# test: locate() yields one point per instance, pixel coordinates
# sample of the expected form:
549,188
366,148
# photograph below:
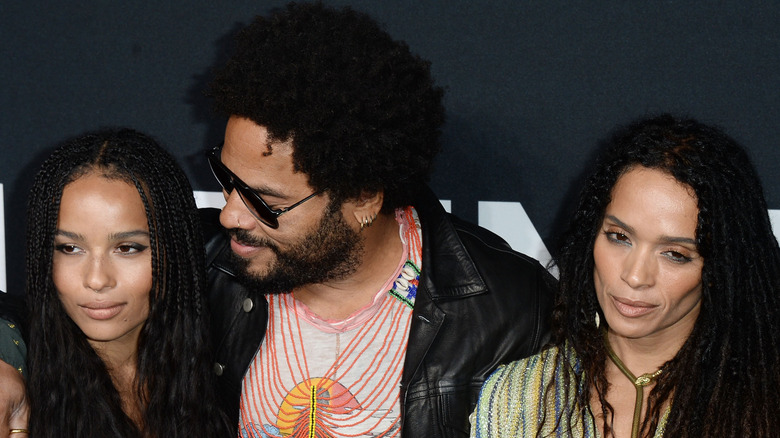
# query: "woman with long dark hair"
667,317
115,277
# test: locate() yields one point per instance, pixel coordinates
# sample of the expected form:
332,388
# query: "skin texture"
647,278
102,263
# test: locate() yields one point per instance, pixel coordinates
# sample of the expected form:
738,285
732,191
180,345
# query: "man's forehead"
250,157
245,131
257,159
248,140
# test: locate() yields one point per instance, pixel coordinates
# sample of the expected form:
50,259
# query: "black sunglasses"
254,203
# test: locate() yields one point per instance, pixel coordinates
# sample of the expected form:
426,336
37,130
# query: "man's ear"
366,207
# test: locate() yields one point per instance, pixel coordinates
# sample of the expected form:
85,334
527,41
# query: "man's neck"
338,299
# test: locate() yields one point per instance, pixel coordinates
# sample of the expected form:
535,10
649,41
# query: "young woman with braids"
115,274
669,272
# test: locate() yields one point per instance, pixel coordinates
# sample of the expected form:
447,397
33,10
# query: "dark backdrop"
531,86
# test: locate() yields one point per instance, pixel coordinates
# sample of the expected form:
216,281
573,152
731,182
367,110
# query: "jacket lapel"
447,273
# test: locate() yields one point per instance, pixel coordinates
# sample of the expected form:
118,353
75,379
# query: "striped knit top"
512,404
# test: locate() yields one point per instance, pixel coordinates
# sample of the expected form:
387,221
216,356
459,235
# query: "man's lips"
102,310
243,249
631,308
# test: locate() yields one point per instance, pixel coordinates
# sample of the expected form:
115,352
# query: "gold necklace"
639,383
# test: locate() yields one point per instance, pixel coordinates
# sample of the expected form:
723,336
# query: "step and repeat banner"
531,90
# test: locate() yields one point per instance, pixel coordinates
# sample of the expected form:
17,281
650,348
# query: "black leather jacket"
479,304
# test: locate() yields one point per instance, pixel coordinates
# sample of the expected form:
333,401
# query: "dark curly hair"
361,109
724,381
70,389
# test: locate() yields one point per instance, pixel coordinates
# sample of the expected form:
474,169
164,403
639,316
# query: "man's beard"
332,251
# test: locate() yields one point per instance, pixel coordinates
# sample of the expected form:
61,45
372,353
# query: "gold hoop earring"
367,221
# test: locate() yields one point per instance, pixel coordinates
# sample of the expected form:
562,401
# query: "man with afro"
345,301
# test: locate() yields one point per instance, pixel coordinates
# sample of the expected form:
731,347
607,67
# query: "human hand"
13,403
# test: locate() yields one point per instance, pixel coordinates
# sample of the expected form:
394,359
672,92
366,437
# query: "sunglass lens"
257,208
224,178
253,203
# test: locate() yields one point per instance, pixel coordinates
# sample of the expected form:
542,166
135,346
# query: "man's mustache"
243,237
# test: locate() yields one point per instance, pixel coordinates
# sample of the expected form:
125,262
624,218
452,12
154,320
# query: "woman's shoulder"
513,394
522,375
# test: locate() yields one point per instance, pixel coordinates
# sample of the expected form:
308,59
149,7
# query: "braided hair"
70,389
724,381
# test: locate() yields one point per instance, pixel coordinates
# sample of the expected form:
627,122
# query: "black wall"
531,86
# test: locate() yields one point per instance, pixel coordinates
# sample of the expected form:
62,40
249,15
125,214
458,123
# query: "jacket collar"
448,270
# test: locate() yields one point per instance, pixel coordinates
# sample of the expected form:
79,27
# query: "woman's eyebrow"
128,234
69,234
663,239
